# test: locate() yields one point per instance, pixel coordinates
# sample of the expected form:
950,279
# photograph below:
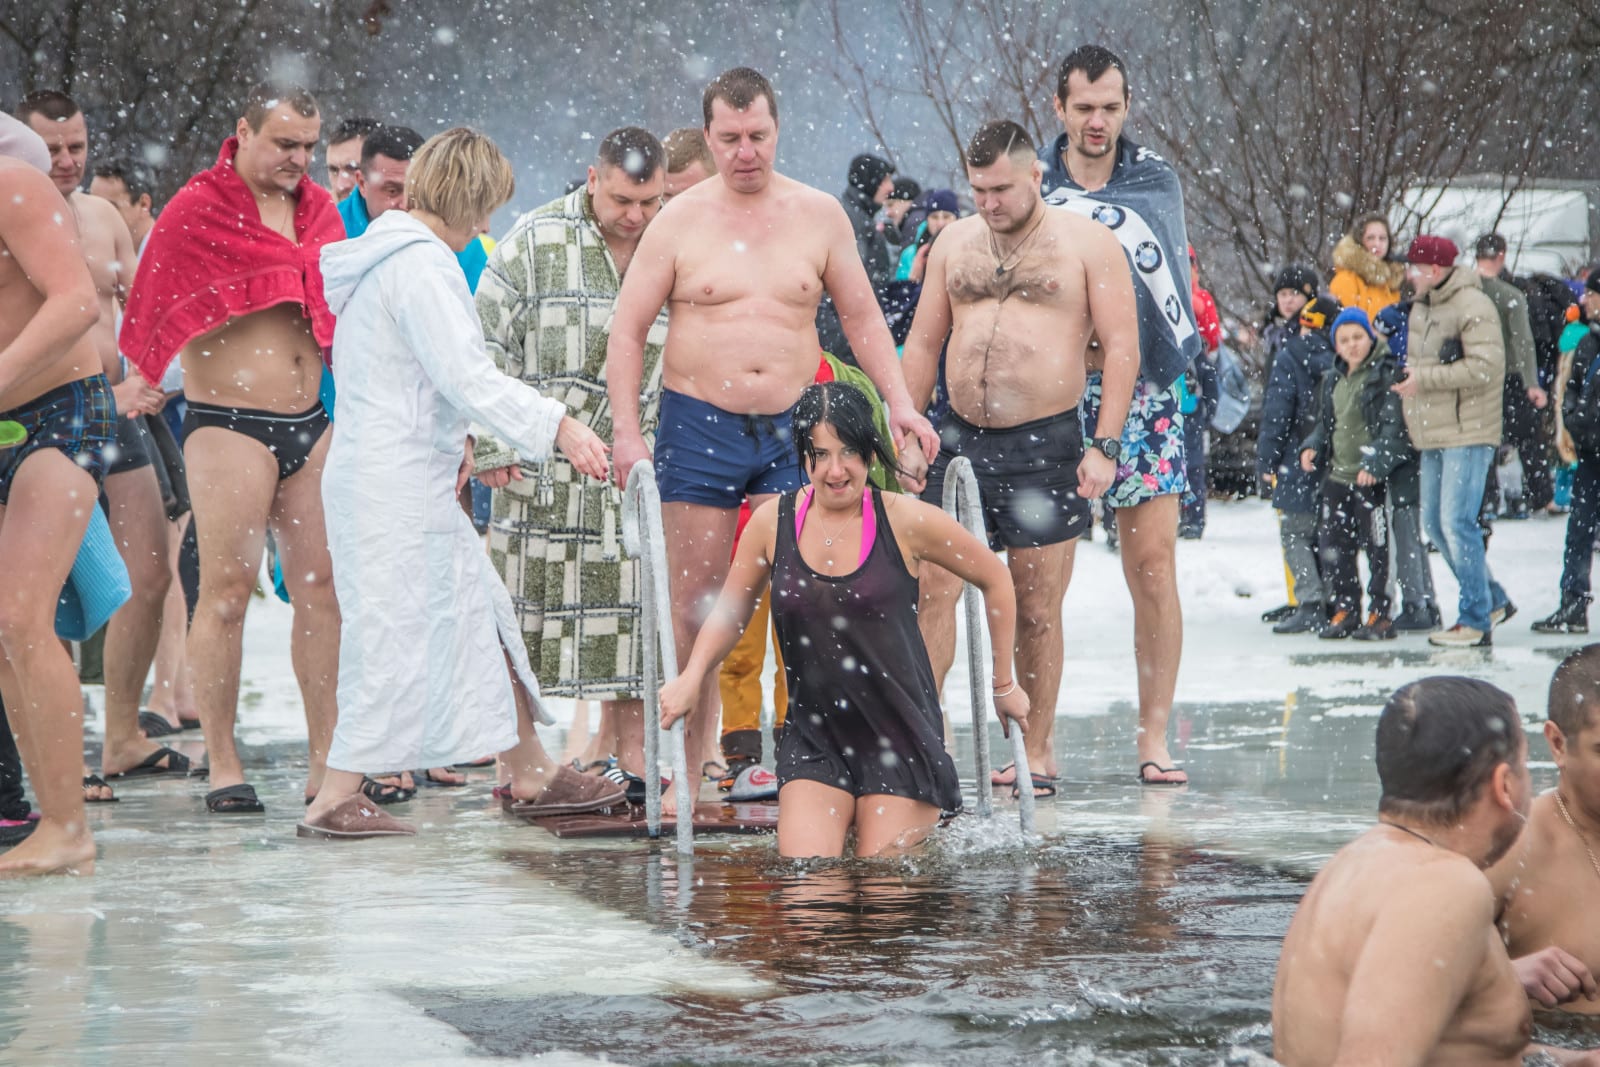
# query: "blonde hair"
460,176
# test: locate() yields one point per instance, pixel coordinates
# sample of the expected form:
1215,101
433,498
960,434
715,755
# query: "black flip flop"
177,763
96,782
234,800
379,793
1044,785
426,778
188,724
1152,783
155,725
473,765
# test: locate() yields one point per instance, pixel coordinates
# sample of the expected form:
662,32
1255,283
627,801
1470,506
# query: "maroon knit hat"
1433,251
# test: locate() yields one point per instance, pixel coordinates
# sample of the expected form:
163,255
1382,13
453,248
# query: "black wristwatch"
1111,446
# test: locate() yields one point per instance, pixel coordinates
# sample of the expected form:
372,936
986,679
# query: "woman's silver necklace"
827,538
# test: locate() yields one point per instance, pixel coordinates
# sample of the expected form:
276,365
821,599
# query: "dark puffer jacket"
1580,403
1390,458
1288,414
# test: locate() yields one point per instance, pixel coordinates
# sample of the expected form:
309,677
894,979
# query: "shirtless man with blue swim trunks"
741,261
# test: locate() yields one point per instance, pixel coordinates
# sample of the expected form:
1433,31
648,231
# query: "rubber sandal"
379,793
154,725
94,781
15,831
709,775
1002,776
1044,785
472,765
177,763
427,779
188,724
238,799
1155,784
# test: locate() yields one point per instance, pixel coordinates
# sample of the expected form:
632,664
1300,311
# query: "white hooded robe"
427,624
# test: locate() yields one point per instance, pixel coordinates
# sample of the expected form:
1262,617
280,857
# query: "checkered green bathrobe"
546,299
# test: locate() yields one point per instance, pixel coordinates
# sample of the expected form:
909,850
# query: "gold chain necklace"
1583,840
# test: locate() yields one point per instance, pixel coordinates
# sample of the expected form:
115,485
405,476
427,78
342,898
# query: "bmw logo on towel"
1109,215
1147,257
1173,309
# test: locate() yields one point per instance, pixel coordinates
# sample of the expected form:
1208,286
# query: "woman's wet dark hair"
1439,741
849,411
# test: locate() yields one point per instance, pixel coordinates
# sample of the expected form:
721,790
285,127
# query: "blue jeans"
1452,492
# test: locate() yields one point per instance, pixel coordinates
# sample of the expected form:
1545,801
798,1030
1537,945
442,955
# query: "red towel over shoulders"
210,259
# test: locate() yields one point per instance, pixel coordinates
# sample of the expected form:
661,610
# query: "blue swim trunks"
77,419
705,455
1152,462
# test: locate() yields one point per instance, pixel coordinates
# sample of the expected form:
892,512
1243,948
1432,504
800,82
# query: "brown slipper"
570,793
354,818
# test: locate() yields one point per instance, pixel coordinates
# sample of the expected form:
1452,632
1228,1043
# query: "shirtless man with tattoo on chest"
1019,291
136,514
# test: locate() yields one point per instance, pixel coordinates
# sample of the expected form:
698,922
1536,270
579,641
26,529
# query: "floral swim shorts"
1152,462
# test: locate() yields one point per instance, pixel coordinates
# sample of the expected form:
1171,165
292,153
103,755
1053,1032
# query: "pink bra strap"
869,520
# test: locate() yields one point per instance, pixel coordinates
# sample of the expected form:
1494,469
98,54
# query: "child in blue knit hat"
1360,447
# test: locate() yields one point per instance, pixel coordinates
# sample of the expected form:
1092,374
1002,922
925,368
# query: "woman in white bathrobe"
430,656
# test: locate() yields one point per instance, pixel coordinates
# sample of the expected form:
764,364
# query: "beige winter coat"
1457,403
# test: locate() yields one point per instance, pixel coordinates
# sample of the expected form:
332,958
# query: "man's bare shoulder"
798,192
1410,874
95,210
19,179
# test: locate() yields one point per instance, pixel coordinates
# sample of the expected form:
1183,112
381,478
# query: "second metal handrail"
961,500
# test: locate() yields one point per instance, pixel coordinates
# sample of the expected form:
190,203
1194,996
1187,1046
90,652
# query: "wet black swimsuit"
288,437
864,712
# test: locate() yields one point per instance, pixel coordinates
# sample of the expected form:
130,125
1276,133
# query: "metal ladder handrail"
644,539
961,500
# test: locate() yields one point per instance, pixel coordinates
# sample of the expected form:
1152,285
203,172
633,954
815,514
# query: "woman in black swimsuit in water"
863,743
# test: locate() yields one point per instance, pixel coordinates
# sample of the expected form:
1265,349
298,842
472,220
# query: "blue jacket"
473,258
1288,415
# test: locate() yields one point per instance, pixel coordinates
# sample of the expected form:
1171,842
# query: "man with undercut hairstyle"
132,489
742,260
344,155
1012,296
1549,884
546,300
230,283
1393,956
1095,170
689,160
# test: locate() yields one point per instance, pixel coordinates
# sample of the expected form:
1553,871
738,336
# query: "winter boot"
1278,614
1377,628
1342,625
1417,619
1303,619
1572,617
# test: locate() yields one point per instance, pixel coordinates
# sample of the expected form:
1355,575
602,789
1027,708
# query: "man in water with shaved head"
1393,956
742,261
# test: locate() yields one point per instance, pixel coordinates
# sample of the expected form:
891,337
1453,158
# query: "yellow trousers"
740,683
